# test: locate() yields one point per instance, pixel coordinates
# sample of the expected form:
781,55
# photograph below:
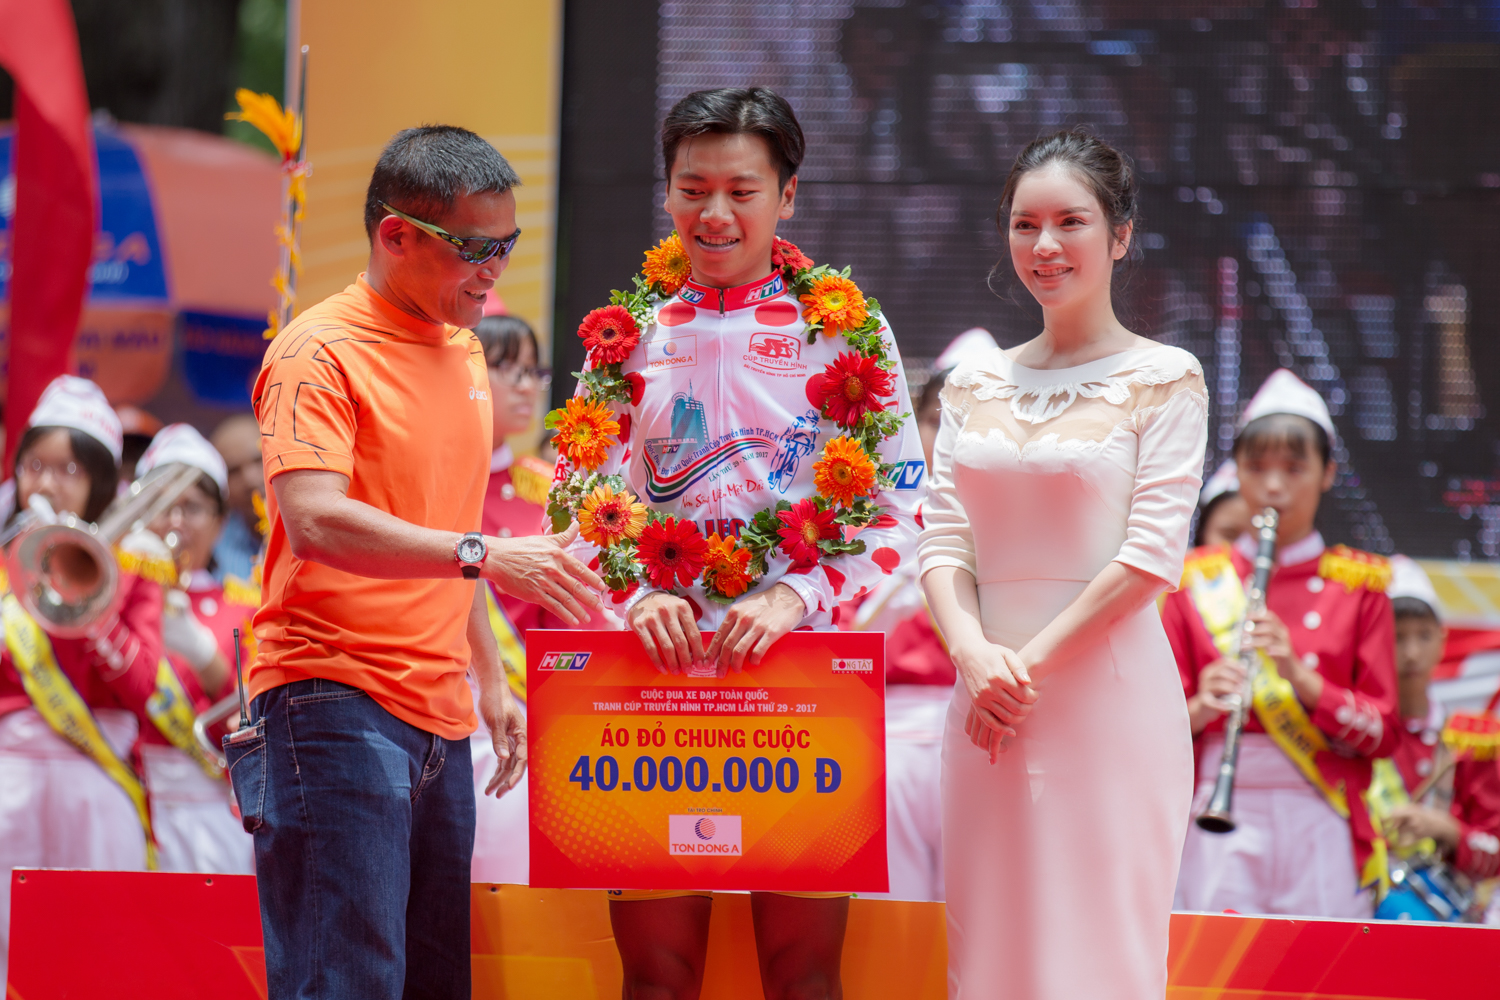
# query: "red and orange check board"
773,778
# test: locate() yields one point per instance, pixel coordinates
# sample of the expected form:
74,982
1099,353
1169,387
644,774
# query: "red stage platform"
128,935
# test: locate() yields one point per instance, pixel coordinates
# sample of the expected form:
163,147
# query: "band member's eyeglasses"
474,249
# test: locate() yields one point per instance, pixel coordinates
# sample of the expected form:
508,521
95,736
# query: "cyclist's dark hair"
424,170
735,111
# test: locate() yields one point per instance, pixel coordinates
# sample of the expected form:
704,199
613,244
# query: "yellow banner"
171,713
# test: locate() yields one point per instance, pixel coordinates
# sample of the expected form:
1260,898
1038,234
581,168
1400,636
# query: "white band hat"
1226,479
1408,579
78,404
182,443
1284,392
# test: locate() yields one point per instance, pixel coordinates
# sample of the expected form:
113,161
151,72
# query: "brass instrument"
1218,817
64,570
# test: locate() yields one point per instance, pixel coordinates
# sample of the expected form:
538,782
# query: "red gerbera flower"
805,526
672,551
850,387
784,254
609,335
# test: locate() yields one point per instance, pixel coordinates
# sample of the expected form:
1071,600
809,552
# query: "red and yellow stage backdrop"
378,66
134,936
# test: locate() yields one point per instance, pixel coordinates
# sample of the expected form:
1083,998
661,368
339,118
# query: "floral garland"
637,543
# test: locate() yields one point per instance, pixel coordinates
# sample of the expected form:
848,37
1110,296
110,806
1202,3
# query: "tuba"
63,571
1219,816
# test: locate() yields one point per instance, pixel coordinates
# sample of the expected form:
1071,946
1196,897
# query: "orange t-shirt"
402,408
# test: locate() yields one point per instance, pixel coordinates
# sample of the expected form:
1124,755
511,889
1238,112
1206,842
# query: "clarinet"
1219,816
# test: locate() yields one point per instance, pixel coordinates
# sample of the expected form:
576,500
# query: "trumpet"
1219,816
63,570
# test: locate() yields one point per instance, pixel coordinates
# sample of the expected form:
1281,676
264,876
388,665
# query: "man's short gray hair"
424,170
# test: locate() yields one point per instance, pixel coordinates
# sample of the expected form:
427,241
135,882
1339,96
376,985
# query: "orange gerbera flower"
585,432
726,567
844,472
667,265
837,302
607,517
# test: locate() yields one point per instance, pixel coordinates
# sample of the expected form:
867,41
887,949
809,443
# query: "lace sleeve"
946,539
1168,474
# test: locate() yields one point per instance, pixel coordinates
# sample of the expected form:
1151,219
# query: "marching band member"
1223,515
1325,696
514,505
74,801
1467,832
189,799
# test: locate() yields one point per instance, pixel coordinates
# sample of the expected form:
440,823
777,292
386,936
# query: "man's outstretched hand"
539,569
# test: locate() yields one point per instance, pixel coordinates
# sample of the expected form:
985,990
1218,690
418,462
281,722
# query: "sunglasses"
474,250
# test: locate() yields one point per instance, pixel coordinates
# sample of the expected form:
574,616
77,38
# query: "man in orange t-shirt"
375,417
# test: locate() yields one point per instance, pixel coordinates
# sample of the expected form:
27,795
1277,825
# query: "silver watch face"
470,550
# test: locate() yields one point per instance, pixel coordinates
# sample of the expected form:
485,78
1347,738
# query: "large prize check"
773,778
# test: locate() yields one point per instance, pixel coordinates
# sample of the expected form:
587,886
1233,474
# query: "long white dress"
1062,857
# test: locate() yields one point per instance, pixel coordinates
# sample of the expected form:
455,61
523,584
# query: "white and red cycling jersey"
724,428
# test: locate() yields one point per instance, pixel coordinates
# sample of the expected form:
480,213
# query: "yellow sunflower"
844,472
667,265
837,302
585,432
606,517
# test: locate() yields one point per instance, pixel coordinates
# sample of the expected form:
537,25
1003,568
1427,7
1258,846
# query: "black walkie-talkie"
239,682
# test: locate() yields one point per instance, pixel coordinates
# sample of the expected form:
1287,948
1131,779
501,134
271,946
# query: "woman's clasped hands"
1001,693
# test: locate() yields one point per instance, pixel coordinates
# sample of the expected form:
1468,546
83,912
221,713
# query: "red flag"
52,231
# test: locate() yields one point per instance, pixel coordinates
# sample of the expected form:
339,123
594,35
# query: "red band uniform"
60,809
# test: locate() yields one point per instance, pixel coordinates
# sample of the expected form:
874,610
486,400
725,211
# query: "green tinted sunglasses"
474,250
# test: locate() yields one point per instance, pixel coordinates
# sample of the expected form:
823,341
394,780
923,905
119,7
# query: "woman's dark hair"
1106,171
104,475
1296,434
501,336
734,111
930,390
424,170
1206,512
1412,607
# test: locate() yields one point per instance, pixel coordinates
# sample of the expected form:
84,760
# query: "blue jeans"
364,831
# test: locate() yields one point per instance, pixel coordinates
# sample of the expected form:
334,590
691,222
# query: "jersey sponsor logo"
678,352
777,352
853,666
907,475
478,393
692,295
704,836
564,661
769,290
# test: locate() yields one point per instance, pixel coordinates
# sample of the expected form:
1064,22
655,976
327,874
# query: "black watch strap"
471,572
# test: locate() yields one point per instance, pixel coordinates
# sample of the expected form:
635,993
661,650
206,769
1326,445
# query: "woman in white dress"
1064,477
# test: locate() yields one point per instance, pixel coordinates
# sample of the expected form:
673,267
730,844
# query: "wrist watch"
470,551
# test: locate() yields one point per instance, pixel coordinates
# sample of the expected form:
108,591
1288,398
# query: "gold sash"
512,646
172,714
59,704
